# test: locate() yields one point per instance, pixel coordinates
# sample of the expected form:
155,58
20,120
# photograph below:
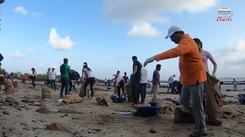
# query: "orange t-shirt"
191,67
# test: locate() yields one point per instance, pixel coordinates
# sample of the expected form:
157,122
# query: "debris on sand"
46,92
153,131
11,101
167,109
102,101
229,112
58,127
10,89
43,110
55,126
93,131
5,112
72,99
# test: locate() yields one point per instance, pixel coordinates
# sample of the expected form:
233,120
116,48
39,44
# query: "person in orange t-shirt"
193,76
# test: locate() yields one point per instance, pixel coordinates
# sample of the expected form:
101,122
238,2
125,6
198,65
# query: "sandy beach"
19,118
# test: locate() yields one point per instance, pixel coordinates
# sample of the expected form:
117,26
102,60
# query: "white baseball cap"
172,30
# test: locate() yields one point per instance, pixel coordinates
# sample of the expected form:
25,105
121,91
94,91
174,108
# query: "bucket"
147,111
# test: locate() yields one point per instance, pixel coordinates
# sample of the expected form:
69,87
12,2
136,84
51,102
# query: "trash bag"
15,83
102,101
116,99
72,99
9,87
74,75
82,91
214,98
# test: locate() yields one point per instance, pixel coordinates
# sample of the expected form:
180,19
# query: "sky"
107,33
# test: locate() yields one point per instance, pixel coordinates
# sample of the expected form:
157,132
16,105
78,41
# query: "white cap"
172,30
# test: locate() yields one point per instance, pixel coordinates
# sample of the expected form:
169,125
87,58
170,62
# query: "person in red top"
193,75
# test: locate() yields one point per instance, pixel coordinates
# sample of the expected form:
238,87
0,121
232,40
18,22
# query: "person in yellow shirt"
193,76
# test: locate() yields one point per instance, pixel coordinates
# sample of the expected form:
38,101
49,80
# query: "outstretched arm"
172,53
210,57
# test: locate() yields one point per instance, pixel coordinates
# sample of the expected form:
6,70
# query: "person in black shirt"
136,79
156,82
125,78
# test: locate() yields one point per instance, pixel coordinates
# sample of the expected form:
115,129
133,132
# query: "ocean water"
231,79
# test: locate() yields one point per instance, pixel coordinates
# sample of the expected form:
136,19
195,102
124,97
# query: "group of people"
194,76
87,79
51,78
139,81
67,78
119,83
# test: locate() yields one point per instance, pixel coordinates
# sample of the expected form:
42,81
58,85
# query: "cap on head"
172,30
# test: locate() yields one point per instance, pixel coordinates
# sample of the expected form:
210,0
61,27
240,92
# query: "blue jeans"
64,86
195,94
143,92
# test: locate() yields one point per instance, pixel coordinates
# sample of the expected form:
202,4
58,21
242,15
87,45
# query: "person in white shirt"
52,77
119,84
89,79
171,85
143,85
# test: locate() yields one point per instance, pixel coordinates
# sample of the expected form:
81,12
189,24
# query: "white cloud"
143,29
21,10
151,11
231,59
59,42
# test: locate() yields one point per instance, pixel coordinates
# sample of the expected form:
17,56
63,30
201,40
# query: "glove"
149,60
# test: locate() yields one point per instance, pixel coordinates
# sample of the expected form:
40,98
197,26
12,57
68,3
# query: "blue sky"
106,33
